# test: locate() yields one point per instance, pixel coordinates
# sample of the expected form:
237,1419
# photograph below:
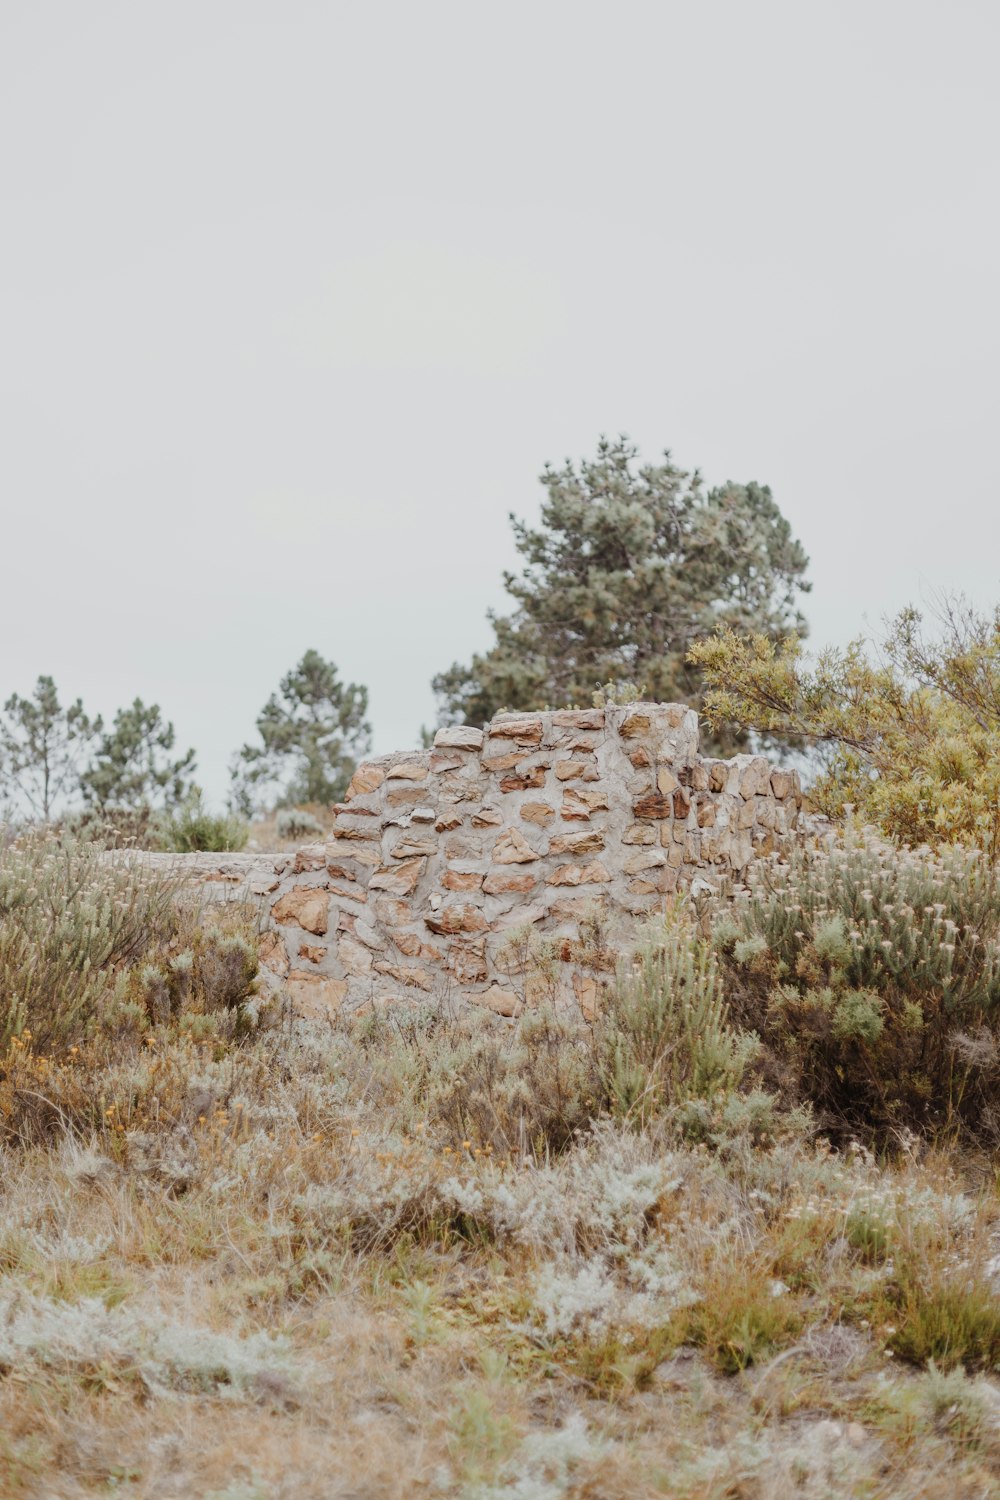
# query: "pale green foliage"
312,731
666,1037
192,827
631,563
874,975
69,917
618,691
911,730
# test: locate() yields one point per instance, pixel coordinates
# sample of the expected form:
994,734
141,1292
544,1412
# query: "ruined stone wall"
438,857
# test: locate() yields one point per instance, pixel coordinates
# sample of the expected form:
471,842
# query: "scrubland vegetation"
738,1237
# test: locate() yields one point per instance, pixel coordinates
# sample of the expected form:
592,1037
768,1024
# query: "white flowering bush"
161,1355
872,976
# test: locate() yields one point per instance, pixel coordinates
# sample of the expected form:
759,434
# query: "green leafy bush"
872,975
666,1036
193,828
70,918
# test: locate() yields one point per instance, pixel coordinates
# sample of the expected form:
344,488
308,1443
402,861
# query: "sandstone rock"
588,842
439,764
655,805
313,953
537,812
339,871
503,1002
487,817
635,723
573,770
366,779
682,803
272,953
406,794
520,916
467,961
578,718
568,909
309,857
303,906
500,882
414,846
579,803
706,814
314,997
646,859
527,781
494,764
700,778
367,934
783,783
639,833
461,880
447,821
354,956
463,846
666,781
413,977
393,913
461,917
642,887
407,770
585,990
511,848
413,946
459,737
352,834
640,757
756,778
525,728
398,880
591,874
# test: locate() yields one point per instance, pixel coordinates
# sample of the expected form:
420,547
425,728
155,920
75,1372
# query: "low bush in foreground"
429,1253
872,976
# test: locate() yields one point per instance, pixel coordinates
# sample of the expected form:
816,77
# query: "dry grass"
295,1293
421,1255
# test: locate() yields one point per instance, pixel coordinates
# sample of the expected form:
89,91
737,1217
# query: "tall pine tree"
631,565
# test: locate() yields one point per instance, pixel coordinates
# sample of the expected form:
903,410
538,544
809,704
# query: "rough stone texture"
440,860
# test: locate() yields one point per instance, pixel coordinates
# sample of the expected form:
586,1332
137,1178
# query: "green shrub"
193,828
945,1314
70,918
666,1035
872,976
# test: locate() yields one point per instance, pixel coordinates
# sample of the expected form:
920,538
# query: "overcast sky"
296,299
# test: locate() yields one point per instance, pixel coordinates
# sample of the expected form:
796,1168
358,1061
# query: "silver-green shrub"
872,974
70,918
667,1037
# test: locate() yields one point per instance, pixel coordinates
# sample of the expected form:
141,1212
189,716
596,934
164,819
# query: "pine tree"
631,565
313,729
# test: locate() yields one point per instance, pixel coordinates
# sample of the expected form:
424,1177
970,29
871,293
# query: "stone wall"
441,861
